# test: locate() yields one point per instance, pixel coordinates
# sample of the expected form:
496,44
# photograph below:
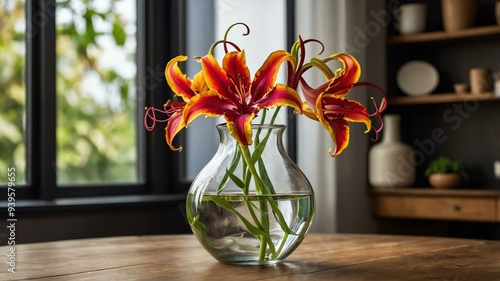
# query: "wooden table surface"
319,257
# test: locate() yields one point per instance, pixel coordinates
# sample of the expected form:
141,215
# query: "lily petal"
240,127
333,113
311,94
174,126
207,103
199,85
234,63
339,85
308,111
350,72
216,78
178,82
282,95
339,132
265,77
350,110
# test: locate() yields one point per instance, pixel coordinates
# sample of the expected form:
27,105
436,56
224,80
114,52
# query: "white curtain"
340,183
315,19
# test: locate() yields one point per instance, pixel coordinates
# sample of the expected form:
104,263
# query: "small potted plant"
445,173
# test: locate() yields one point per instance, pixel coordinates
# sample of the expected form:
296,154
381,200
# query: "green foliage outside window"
96,132
12,89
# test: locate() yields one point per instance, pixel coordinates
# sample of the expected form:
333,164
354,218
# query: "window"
96,92
79,75
12,89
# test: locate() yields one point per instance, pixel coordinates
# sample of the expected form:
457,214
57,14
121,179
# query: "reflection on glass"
96,70
12,89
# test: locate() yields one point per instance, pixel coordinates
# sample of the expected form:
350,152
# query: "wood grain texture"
319,257
436,36
435,98
420,203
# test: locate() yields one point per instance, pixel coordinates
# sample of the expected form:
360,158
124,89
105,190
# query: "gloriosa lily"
328,105
184,88
232,93
229,91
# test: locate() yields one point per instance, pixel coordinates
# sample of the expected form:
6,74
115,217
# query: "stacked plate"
417,78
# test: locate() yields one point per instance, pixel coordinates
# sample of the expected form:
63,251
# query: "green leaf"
265,178
260,149
232,167
270,190
235,179
124,91
119,34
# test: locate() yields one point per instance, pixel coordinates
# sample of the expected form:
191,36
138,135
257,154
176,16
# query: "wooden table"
319,257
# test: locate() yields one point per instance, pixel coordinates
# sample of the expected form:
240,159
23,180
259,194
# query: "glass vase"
252,204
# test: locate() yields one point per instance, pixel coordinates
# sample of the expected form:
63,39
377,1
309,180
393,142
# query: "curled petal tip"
332,154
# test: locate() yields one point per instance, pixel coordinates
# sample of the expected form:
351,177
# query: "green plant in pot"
445,173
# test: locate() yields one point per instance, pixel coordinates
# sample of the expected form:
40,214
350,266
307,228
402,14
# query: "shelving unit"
474,34
455,55
470,131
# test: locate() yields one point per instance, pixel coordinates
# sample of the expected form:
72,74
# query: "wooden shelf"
436,191
437,204
442,98
427,37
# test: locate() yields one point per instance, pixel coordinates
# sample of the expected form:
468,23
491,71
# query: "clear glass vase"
251,205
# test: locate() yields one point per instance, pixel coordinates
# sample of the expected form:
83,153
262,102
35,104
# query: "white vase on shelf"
390,162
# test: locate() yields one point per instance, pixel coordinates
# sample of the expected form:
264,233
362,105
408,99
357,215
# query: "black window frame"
160,32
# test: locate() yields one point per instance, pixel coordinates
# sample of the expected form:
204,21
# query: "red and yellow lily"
182,87
233,94
227,90
328,104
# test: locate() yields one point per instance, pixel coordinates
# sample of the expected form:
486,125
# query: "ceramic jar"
391,161
479,80
411,18
458,14
497,11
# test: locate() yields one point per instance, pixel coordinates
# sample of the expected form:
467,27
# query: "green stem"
259,185
260,189
275,115
285,238
262,249
252,214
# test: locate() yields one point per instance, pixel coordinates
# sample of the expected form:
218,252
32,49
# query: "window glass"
96,101
12,89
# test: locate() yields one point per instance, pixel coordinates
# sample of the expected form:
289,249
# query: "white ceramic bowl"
417,78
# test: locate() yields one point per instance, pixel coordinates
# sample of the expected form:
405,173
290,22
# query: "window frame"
158,167
160,36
